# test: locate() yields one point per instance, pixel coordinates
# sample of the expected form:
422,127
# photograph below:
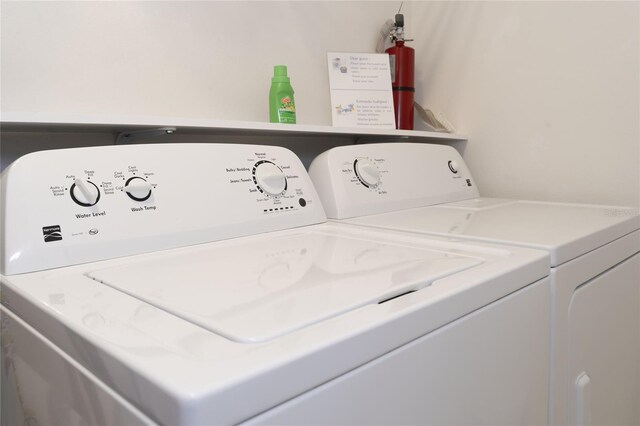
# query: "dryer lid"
566,231
253,290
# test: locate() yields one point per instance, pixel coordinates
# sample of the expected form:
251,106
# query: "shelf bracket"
137,135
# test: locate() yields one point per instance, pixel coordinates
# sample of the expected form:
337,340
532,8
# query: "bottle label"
286,110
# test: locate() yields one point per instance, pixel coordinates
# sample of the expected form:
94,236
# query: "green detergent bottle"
282,108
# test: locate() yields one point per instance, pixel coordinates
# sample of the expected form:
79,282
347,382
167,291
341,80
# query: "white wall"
548,92
188,59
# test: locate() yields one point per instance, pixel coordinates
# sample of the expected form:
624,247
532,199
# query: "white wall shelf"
23,133
30,122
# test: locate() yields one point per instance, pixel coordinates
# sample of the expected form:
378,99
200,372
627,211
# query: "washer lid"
258,289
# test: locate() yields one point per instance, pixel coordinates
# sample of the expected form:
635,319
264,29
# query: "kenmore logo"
52,233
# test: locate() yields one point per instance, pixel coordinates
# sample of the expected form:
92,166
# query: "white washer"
595,274
188,284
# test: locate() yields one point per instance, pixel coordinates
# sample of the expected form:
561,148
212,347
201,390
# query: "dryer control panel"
70,206
366,179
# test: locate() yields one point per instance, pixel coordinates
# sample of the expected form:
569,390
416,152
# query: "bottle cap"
280,74
280,70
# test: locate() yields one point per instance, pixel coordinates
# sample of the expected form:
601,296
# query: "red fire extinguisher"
402,61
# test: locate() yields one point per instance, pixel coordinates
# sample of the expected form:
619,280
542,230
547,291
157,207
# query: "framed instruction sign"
361,93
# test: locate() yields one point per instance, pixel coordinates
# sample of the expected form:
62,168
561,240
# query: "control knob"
84,192
269,178
367,172
138,189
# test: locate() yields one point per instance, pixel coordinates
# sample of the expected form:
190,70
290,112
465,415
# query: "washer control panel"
365,179
89,187
104,202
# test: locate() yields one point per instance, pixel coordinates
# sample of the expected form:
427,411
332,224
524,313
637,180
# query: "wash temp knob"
138,189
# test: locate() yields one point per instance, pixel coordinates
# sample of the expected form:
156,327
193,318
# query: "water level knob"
84,193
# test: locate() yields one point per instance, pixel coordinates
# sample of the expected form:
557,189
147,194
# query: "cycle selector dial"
367,172
269,178
84,193
138,189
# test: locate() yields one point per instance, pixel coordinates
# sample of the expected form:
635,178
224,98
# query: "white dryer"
191,284
595,266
